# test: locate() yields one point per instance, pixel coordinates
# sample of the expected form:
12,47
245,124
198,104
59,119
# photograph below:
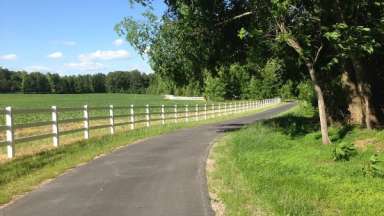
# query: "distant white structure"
173,97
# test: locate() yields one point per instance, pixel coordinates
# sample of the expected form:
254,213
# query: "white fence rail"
164,114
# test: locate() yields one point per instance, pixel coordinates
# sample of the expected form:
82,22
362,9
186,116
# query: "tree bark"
320,103
364,90
355,105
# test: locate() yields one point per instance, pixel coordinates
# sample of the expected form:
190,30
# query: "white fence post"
111,119
205,111
86,122
219,109
197,112
176,113
162,115
186,113
225,109
147,115
213,110
55,127
132,117
10,137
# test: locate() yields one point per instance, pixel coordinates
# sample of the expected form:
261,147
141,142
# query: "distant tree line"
36,82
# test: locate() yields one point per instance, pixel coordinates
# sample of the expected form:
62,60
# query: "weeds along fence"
25,125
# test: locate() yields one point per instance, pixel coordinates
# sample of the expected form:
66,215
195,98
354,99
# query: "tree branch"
235,18
318,53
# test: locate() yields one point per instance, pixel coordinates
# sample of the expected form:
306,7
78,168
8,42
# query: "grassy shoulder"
280,167
25,173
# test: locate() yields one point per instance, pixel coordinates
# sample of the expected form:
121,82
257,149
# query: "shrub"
344,151
214,88
375,166
306,93
286,91
267,82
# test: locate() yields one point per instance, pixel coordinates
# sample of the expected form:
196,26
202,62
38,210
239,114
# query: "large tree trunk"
355,103
364,90
320,103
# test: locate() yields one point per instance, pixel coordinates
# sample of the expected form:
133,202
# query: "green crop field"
77,100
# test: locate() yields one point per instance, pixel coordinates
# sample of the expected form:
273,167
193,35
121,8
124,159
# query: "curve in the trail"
163,175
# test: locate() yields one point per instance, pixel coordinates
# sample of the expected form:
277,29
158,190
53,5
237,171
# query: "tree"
357,35
98,83
34,82
308,36
214,88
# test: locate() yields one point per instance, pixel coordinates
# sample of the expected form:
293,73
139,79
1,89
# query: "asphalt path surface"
163,175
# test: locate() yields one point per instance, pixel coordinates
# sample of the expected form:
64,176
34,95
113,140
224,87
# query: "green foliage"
236,80
141,33
214,88
344,151
306,93
287,90
160,86
192,36
375,166
34,82
268,82
127,82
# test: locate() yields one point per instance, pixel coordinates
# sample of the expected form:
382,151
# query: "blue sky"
68,36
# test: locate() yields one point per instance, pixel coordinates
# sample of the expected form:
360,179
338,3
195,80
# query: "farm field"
30,101
98,109
77,100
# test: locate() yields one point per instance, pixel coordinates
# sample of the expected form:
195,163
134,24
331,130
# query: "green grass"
280,167
23,174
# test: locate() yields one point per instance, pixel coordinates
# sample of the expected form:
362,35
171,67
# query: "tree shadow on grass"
341,132
293,125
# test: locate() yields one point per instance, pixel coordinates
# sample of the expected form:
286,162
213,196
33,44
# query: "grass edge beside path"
280,167
24,174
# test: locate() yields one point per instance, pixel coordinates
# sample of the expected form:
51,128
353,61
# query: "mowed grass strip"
23,174
280,167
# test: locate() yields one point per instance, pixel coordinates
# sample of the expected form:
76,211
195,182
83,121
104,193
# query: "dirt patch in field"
370,142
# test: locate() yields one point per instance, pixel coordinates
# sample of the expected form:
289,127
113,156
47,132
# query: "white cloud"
37,68
85,66
55,55
8,57
104,55
118,42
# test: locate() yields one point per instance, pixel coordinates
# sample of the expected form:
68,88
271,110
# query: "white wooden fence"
167,114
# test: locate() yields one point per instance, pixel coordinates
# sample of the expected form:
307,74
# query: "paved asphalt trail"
163,175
